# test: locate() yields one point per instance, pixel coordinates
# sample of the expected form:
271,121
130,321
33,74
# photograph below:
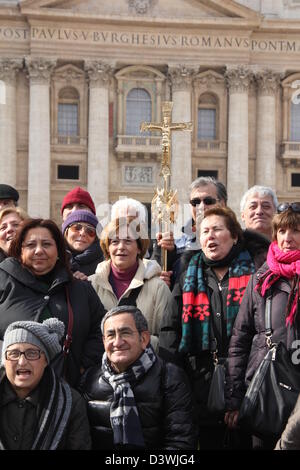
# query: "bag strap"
68,339
268,322
131,299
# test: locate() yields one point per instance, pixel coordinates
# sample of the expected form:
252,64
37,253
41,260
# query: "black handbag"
273,390
216,399
59,362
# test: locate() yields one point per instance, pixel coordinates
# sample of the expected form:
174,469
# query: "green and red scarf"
196,311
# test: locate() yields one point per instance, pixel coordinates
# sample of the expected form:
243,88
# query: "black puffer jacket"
24,297
87,261
164,405
247,346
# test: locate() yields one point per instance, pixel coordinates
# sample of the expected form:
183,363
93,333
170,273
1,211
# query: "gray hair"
129,207
261,191
205,181
139,319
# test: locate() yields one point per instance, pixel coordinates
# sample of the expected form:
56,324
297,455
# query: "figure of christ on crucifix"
166,127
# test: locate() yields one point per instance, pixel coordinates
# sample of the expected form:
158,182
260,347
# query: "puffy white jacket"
154,299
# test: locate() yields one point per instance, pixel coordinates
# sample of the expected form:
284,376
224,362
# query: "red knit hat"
78,195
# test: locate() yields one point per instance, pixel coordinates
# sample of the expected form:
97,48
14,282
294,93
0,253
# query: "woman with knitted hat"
38,410
80,233
278,277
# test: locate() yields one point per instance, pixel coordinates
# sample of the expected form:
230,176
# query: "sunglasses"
284,206
88,229
208,201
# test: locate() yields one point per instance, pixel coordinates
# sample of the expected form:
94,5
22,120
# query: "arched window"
295,122
138,109
68,115
207,117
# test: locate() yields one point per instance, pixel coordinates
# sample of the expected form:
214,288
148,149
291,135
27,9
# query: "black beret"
8,192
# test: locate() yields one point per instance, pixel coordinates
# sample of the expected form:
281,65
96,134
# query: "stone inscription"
157,40
138,175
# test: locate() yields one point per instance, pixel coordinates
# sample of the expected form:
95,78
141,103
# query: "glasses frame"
196,201
284,206
25,354
85,228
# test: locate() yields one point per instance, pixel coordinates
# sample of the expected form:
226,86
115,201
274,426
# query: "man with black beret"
9,196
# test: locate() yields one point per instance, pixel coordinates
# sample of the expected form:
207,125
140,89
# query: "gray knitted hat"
46,336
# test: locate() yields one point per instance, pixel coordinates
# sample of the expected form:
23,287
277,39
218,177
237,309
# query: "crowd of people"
102,349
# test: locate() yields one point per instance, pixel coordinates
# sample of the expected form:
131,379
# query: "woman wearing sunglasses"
79,230
278,276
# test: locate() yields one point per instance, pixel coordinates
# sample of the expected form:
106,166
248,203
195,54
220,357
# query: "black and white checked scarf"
124,415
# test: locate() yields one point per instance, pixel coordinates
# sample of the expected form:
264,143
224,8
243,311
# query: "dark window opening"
295,179
213,173
68,172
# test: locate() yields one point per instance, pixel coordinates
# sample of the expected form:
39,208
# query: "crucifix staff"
164,205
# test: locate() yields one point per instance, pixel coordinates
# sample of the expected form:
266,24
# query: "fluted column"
8,124
39,137
181,164
266,128
98,149
238,80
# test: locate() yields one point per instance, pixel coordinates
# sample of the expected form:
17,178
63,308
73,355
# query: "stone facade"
241,59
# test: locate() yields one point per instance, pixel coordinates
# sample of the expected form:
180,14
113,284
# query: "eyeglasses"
30,354
88,229
208,201
284,206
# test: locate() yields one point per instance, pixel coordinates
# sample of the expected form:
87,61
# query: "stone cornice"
9,67
267,81
238,79
39,69
181,77
99,73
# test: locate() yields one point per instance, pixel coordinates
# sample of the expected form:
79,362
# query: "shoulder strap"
131,299
268,321
68,340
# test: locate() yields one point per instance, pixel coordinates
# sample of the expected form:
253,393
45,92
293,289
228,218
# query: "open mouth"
23,373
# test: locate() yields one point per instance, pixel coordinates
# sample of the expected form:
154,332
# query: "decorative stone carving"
267,82
238,79
209,80
69,75
140,7
181,77
8,68
138,175
99,73
39,69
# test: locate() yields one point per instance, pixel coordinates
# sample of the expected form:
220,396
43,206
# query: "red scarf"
282,265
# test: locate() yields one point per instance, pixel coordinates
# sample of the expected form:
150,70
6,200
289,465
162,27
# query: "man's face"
122,342
258,214
208,198
24,375
74,206
4,203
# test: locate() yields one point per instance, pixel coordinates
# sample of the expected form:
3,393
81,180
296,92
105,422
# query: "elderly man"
136,400
77,199
9,196
38,411
258,205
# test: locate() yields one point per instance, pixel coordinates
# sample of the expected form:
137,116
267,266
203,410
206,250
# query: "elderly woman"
10,220
279,276
79,230
208,296
36,283
126,278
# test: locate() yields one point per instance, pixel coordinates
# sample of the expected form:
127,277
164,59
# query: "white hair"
261,191
129,207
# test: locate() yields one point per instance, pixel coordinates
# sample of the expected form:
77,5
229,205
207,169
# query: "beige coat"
154,300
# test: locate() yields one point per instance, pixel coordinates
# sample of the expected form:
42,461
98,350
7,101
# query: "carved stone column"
266,128
98,148
238,80
39,137
181,164
8,124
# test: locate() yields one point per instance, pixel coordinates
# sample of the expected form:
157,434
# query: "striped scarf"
196,311
53,412
124,415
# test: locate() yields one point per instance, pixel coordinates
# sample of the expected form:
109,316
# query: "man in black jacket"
136,401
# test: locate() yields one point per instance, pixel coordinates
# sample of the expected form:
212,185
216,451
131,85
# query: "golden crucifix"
164,205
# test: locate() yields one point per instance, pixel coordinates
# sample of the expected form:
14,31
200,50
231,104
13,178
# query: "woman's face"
39,251
123,253
8,228
215,238
80,236
288,239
